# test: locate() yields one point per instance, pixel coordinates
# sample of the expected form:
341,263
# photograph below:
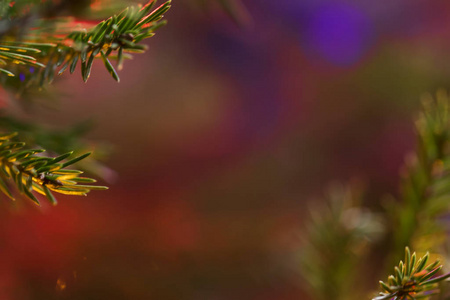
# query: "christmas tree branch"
58,141
53,51
336,240
426,180
425,191
32,172
413,279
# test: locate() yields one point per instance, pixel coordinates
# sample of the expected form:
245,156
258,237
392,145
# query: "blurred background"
222,136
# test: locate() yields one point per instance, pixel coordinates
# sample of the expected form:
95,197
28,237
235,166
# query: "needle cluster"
32,172
413,279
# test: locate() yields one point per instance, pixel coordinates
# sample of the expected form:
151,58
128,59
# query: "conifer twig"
335,240
426,182
412,279
31,172
53,52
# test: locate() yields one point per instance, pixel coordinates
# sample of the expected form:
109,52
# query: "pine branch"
58,141
426,181
335,241
35,173
64,48
412,280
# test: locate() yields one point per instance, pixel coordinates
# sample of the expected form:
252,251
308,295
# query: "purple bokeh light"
338,32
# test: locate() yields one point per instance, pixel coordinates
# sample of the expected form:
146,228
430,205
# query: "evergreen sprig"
121,33
335,242
53,51
57,140
426,180
412,280
31,172
18,55
425,195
